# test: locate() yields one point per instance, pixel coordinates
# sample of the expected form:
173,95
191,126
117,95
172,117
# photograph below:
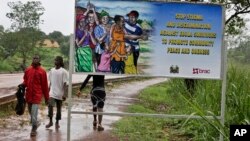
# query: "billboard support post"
223,91
70,85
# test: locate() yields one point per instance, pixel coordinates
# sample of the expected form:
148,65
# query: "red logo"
198,71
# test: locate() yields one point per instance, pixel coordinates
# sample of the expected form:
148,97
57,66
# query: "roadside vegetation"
172,97
18,44
12,64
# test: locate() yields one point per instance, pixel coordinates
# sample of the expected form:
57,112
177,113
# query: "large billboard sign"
170,39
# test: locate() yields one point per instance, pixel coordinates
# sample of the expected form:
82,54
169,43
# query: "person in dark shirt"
98,95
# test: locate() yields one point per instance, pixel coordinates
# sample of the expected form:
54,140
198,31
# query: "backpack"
21,103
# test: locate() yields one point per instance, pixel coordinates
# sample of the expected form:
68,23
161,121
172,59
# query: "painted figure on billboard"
129,62
100,47
117,45
102,34
148,38
133,28
83,51
85,40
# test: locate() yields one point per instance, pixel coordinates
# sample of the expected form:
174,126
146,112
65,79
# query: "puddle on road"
18,127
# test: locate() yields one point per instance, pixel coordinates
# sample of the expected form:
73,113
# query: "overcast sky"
58,15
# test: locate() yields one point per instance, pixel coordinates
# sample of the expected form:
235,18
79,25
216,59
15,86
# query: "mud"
18,128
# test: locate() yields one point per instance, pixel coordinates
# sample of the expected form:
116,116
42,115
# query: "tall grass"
172,97
207,98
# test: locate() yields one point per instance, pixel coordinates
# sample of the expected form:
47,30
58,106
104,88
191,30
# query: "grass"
7,109
173,98
152,100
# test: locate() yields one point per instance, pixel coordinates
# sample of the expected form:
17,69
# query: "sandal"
57,126
94,123
33,133
100,128
49,125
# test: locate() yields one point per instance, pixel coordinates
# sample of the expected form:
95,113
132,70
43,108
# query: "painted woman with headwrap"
102,34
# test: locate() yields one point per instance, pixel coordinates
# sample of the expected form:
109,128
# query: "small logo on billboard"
198,71
174,69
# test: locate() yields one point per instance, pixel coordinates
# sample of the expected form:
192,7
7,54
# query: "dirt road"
18,128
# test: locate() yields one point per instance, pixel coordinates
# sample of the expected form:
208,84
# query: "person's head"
133,16
36,60
59,62
91,17
104,17
119,20
82,24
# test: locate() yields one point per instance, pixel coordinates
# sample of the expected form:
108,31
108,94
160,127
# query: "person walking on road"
58,78
98,95
35,81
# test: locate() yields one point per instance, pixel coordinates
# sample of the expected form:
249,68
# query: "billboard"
170,39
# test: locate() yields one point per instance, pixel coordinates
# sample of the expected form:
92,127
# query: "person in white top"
58,78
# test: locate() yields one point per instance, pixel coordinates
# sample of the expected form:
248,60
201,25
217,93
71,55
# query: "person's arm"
79,42
95,16
83,85
98,35
133,37
50,77
139,35
26,76
87,11
45,89
92,38
65,87
111,32
65,84
85,82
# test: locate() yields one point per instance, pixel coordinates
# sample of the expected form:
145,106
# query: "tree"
235,8
1,29
56,35
62,40
65,46
25,15
8,44
25,24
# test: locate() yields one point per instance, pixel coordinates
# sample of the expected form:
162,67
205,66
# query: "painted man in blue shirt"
133,28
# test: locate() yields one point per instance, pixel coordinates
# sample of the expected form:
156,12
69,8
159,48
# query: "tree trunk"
23,65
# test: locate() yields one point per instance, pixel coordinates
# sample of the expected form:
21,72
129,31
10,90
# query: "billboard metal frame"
221,117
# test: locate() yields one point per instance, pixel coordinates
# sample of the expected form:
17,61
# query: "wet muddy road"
17,128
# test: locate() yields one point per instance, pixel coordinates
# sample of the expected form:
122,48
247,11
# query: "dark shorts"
98,98
117,66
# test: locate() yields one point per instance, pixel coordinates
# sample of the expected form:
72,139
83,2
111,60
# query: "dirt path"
17,127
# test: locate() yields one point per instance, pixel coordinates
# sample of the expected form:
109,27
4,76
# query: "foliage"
8,44
5,66
25,21
62,40
235,8
241,54
172,98
47,56
65,45
25,15
1,29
